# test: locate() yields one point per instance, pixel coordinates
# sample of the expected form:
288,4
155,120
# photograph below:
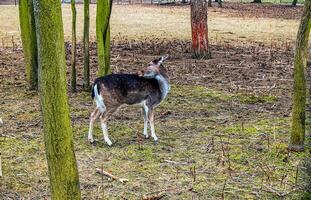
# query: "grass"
143,22
237,140
256,165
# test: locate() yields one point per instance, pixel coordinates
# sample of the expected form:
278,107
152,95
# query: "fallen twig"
154,195
122,180
279,194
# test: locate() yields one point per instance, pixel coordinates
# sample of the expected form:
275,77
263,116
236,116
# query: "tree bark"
103,13
86,36
58,137
74,48
199,29
299,96
209,3
220,3
29,42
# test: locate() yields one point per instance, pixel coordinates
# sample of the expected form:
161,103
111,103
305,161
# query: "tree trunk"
209,3
74,48
86,36
103,13
220,3
199,29
58,137
294,3
29,41
299,96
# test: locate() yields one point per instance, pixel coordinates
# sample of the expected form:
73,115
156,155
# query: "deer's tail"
98,98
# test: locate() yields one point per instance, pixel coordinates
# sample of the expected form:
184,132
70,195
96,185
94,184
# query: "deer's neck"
164,85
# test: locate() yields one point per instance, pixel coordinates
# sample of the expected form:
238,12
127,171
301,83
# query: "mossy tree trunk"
199,29
58,137
74,47
103,12
299,96
29,41
86,36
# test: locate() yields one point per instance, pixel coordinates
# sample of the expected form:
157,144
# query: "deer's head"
154,68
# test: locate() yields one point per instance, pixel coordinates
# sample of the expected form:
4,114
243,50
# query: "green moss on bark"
28,36
103,12
62,166
86,36
299,96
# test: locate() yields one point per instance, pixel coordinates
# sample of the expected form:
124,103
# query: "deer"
148,88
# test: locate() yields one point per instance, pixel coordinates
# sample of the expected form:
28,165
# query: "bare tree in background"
86,44
74,47
199,29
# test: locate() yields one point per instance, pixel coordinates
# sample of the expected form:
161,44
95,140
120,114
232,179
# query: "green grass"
190,135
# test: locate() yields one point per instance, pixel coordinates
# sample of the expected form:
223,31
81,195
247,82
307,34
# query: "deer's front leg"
94,115
145,115
151,121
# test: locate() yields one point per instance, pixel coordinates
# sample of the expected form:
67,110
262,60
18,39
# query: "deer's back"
118,89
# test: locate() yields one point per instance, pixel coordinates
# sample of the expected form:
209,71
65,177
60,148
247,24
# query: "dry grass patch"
146,22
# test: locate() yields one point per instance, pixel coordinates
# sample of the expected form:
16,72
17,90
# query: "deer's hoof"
108,142
146,136
156,142
90,139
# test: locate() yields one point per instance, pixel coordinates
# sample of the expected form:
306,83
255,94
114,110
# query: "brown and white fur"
148,88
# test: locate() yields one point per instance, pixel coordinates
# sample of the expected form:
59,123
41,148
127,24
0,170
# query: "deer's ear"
162,59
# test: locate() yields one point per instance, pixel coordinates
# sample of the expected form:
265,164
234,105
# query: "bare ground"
227,117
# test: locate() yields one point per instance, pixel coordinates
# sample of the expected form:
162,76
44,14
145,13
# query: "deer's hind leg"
94,115
103,119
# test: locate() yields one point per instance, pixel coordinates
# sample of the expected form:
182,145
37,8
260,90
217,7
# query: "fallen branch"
122,180
278,193
154,196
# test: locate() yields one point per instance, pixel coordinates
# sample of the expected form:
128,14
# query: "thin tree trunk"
220,3
28,36
74,48
299,96
103,13
86,32
209,3
199,29
58,137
